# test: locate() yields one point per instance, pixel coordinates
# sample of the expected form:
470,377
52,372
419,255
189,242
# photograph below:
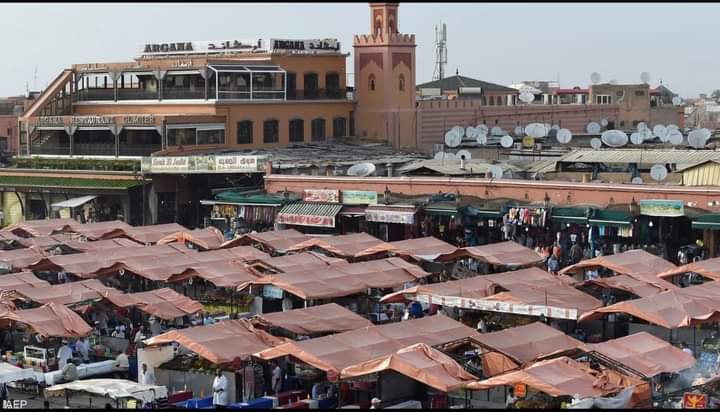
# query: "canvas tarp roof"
112,388
672,309
163,303
12,281
152,234
555,377
20,258
272,241
221,274
646,354
45,242
510,254
100,230
345,246
220,343
207,239
345,280
66,293
637,263
424,248
314,320
116,243
299,261
42,227
629,284
709,268
50,320
352,353
477,287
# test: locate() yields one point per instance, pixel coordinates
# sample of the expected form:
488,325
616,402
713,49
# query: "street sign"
695,400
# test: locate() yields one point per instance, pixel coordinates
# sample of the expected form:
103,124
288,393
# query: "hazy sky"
500,43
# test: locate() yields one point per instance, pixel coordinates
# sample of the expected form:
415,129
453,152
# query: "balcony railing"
96,94
94,149
50,149
318,94
180,94
137,94
139,149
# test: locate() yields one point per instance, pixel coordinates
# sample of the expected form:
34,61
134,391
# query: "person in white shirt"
481,326
276,378
122,364
147,377
64,354
219,389
82,346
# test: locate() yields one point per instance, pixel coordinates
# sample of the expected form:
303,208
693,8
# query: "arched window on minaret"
371,82
378,25
401,83
391,25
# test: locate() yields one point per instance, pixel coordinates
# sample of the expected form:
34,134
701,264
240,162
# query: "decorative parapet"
380,38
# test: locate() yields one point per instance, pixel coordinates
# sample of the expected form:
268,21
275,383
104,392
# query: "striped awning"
309,214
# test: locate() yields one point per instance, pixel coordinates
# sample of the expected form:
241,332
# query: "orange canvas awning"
12,281
477,287
42,227
629,284
502,254
152,234
344,246
709,268
272,241
50,320
66,293
329,318
163,303
209,238
422,249
21,258
298,262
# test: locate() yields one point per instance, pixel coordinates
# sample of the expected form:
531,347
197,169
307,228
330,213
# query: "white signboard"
203,47
169,164
307,46
236,163
498,306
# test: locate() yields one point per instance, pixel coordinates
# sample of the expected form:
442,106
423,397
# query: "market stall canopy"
502,254
273,241
709,268
344,280
111,388
637,263
46,242
629,284
422,249
330,318
297,262
555,377
354,348
152,234
477,287
42,227
672,309
206,239
87,264
344,246
20,258
309,214
220,343
646,354
419,362
117,243
50,320
529,342
100,230
11,373
163,303
221,274
66,293
11,282
73,203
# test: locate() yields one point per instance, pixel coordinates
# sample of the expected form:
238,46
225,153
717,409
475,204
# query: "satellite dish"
564,136
614,138
706,133
637,138
646,134
519,131
453,138
595,143
506,141
555,127
471,132
463,154
496,172
672,127
675,137
481,139
593,128
660,131
697,139
642,126
439,156
482,129
527,97
636,180
363,169
536,130
604,122
645,77
658,173
595,77
459,130
497,131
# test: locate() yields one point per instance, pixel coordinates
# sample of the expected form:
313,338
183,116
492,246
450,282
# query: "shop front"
610,230
528,225
482,221
310,217
391,222
707,227
665,227
236,213
352,215
571,224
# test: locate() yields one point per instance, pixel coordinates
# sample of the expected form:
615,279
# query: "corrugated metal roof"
452,167
681,158
312,209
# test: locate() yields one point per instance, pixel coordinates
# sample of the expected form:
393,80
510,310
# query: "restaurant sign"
359,197
305,220
390,216
321,195
306,46
499,306
202,164
694,400
203,47
662,208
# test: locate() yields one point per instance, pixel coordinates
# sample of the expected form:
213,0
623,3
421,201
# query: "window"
401,83
622,123
311,84
271,131
619,93
291,85
603,99
371,83
211,136
640,93
297,130
339,127
318,130
245,132
184,136
208,133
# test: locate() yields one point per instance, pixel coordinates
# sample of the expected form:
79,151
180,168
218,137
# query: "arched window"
339,127
245,132
318,130
311,85
378,25
401,83
332,85
297,130
271,131
371,83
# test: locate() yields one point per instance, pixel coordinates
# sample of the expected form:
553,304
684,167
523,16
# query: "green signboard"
359,197
662,208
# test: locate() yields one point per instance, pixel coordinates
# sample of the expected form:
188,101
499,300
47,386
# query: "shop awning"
569,215
709,268
298,262
309,214
640,288
646,354
20,258
610,218
221,274
12,281
330,318
152,234
274,240
66,182
404,215
439,209
345,246
163,303
51,320
471,210
424,248
207,239
42,227
66,293
709,221
220,343
475,288
501,254
112,388
74,202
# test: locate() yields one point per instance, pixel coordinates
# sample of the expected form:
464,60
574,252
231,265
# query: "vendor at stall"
219,390
64,354
146,377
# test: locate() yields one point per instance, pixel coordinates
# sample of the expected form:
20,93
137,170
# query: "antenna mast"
35,79
440,51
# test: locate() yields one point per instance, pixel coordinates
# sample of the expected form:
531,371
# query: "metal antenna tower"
440,51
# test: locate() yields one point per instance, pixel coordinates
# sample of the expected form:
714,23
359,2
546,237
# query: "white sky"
499,43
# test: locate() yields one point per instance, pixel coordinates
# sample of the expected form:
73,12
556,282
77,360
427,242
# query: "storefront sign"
305,220
140,120
169,164
92,120
389,216
203,164
321,195
270,291
235,164
498,306
203,47
314,45
663,208
359,197
50,121
694,401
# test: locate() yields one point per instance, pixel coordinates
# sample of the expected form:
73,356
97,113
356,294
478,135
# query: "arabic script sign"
202,47
313,45
321,195
694,401
305,220
202,164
